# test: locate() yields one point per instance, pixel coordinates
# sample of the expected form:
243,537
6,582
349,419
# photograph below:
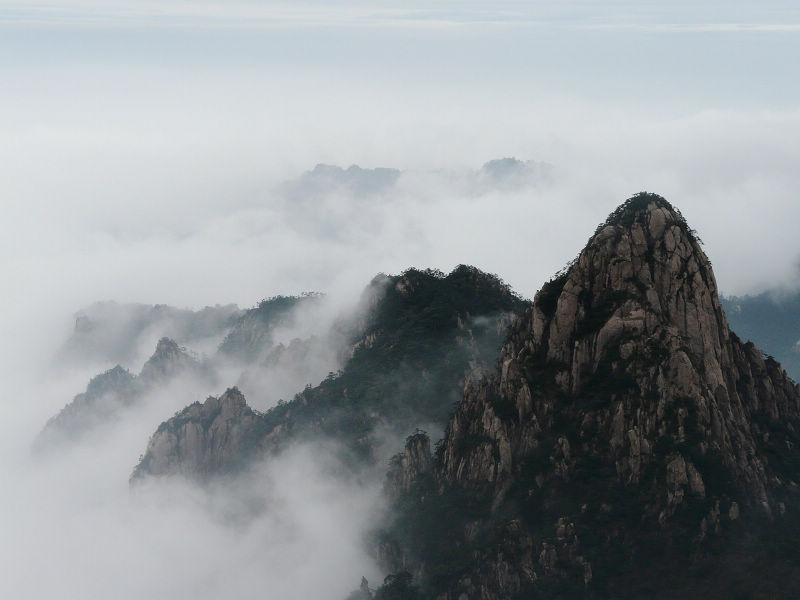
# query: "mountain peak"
622,402
644,207
201,438
642,276
166,345
168,360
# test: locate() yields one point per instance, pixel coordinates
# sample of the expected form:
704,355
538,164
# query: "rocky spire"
407,466
622,394
168,361
203,438
633,335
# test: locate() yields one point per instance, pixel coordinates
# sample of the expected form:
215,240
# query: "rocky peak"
635,328
168,360
105,395
622,392
643,272
203,438
109,393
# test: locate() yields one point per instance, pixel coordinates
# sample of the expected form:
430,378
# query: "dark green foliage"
117,382
504,407
607,380
547,298
468,443
398,586
423,332
252,332
635,206
781,444
598,311
429,302
428,524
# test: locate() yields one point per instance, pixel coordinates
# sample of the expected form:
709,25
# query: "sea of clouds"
169,161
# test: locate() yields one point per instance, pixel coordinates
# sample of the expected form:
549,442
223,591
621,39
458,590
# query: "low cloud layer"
152,162
291,528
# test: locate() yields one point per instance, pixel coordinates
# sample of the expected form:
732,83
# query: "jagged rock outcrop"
626,437
168,361
636,325
421,335
203,438
115,390
408,466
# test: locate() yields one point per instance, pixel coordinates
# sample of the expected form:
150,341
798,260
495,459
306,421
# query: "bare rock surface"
626,434
408,466
202,438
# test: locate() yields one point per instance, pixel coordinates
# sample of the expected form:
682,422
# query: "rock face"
201,439
168,361
411,464
627,437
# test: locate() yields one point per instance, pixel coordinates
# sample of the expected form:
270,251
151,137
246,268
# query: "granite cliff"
628,444
202,439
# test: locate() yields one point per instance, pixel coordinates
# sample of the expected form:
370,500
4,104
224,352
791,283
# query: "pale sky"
130,127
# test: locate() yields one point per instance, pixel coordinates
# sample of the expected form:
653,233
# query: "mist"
204,155
291,527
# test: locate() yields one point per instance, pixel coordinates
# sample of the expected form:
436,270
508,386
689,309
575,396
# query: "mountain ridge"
112,392
421,335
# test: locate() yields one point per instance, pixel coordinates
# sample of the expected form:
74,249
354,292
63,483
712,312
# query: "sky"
130,127
165,152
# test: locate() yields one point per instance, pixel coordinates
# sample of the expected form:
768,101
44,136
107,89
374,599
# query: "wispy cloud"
254,15
695,27
244,14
